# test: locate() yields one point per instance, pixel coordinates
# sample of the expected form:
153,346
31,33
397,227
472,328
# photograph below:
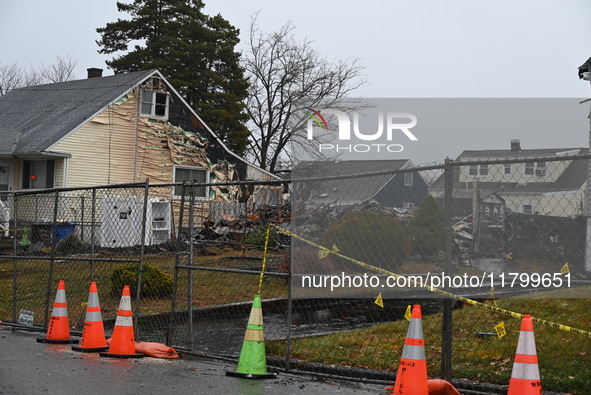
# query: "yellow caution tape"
267,233
472,302
491,293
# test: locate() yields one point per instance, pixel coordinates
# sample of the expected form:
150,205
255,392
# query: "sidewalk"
28,367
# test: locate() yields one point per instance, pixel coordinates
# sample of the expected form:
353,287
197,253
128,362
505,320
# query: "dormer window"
154,104
478,170
535,168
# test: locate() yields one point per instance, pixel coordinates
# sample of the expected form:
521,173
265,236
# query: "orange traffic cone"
122,341
411,378
93,334
59,327
525,377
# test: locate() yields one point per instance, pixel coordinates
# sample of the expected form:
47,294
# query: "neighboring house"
108,130
395,189
534,187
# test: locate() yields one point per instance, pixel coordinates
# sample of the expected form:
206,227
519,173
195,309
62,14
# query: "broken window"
268,195
154,104
191,174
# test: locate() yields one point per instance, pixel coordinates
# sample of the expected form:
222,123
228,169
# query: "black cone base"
90,349
53,341
252,375
108,354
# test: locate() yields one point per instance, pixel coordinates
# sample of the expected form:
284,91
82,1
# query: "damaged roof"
34,118
347,190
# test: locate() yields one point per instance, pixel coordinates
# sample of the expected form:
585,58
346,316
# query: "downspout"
137,94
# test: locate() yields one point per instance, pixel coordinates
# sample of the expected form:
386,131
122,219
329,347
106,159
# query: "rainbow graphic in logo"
316,116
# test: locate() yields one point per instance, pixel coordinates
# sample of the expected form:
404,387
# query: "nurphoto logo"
391,126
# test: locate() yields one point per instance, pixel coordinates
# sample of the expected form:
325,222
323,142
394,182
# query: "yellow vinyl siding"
106,142
59,176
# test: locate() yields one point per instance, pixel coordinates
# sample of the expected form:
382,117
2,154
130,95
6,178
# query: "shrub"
426,229
156,282
72,244
256,237
306,259
370,238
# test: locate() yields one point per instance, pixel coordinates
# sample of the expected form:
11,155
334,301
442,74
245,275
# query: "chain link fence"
343,247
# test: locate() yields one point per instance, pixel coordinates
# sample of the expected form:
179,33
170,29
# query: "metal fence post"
142,248
52,257
82,217
14,259
92,235
190,262
587,206
447,335
177,262
289,317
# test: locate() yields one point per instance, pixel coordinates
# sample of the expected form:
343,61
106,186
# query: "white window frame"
153,95
205,195
527,204
408,179
478,170
507,169
537,169
540,169
408,205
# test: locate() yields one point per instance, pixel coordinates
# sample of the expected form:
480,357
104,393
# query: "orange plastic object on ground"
436,387
441,387
155,350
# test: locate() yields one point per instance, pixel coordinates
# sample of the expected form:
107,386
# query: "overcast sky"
421,48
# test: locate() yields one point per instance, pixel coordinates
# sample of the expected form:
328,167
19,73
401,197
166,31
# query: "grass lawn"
564,357
209,287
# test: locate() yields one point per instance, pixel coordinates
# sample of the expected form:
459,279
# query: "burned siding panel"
253,173
117,146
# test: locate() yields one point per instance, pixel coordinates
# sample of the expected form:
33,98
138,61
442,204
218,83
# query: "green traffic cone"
252,363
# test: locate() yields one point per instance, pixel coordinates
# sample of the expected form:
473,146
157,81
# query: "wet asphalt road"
29,368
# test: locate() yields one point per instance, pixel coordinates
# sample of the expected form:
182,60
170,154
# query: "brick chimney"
515,145
93,72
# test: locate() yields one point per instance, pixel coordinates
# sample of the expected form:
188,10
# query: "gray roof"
32,119
346,191
509,154
572,178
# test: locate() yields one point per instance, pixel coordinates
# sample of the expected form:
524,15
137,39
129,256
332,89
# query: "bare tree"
11,76
286,77
15,76
60,71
